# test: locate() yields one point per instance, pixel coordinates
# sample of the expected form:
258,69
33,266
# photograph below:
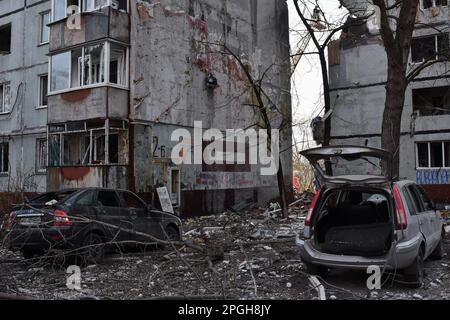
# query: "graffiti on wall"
433,176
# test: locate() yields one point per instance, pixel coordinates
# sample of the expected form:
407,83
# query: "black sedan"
84,220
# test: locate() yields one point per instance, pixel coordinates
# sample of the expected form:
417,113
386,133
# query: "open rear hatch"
350,164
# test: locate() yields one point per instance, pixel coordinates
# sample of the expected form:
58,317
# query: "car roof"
89,188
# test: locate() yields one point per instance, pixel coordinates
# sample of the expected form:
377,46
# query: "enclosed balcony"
88,82
75,22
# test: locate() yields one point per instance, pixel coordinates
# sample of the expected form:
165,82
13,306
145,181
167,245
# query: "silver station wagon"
361,217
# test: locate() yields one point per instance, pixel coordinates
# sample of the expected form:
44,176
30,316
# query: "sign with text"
164,199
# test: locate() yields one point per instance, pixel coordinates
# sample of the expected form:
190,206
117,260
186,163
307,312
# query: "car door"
426,217
433,216
140,217
108,209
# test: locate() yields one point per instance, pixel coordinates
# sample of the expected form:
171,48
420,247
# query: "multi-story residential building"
358,76
93,89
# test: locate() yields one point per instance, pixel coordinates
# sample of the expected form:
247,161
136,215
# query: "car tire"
316,270
28,254
439,252
172,234
415,274
92,248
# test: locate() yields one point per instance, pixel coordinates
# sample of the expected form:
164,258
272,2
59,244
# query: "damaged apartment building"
358,76
91,91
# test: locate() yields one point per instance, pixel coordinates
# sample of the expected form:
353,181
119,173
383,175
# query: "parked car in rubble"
361,217
88,219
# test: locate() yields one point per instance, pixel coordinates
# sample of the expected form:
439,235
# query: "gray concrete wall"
358,95
22,68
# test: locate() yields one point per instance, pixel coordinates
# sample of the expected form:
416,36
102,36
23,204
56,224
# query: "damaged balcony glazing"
88,143
61,8
100,63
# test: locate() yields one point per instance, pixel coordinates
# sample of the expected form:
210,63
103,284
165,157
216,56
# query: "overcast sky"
307,80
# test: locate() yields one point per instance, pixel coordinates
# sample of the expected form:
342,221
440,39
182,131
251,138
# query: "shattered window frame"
431,101
88,146
431,159
428,4
84,6
81,69
420,54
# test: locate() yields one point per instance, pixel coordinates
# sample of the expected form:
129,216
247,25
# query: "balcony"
74,30
90,103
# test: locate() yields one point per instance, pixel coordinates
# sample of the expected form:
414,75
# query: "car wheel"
438,253
28,254
172,234
92,248
415,274
316,270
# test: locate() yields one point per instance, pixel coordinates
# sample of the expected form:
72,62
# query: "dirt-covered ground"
250,255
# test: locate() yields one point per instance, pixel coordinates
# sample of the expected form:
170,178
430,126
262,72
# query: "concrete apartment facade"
93,94
358,77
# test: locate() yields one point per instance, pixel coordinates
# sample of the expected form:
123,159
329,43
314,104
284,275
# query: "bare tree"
397,43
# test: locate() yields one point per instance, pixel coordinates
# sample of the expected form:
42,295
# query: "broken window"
5,98
45,29
117,65
87,143
91,5
63,8
5,39
60,8
426,4
431,101
4,157
433,154
41,155
430,48
43,91
87,66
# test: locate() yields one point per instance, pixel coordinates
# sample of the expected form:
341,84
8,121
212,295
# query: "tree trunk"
392,117
282,190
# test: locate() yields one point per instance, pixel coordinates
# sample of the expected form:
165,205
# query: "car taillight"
401,221
311,208
9,221
61,219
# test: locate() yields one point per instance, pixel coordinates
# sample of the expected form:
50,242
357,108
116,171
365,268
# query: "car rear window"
52,197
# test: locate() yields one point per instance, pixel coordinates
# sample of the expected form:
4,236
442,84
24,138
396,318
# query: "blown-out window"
431,101
426,4
429,48
99,63
63,8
